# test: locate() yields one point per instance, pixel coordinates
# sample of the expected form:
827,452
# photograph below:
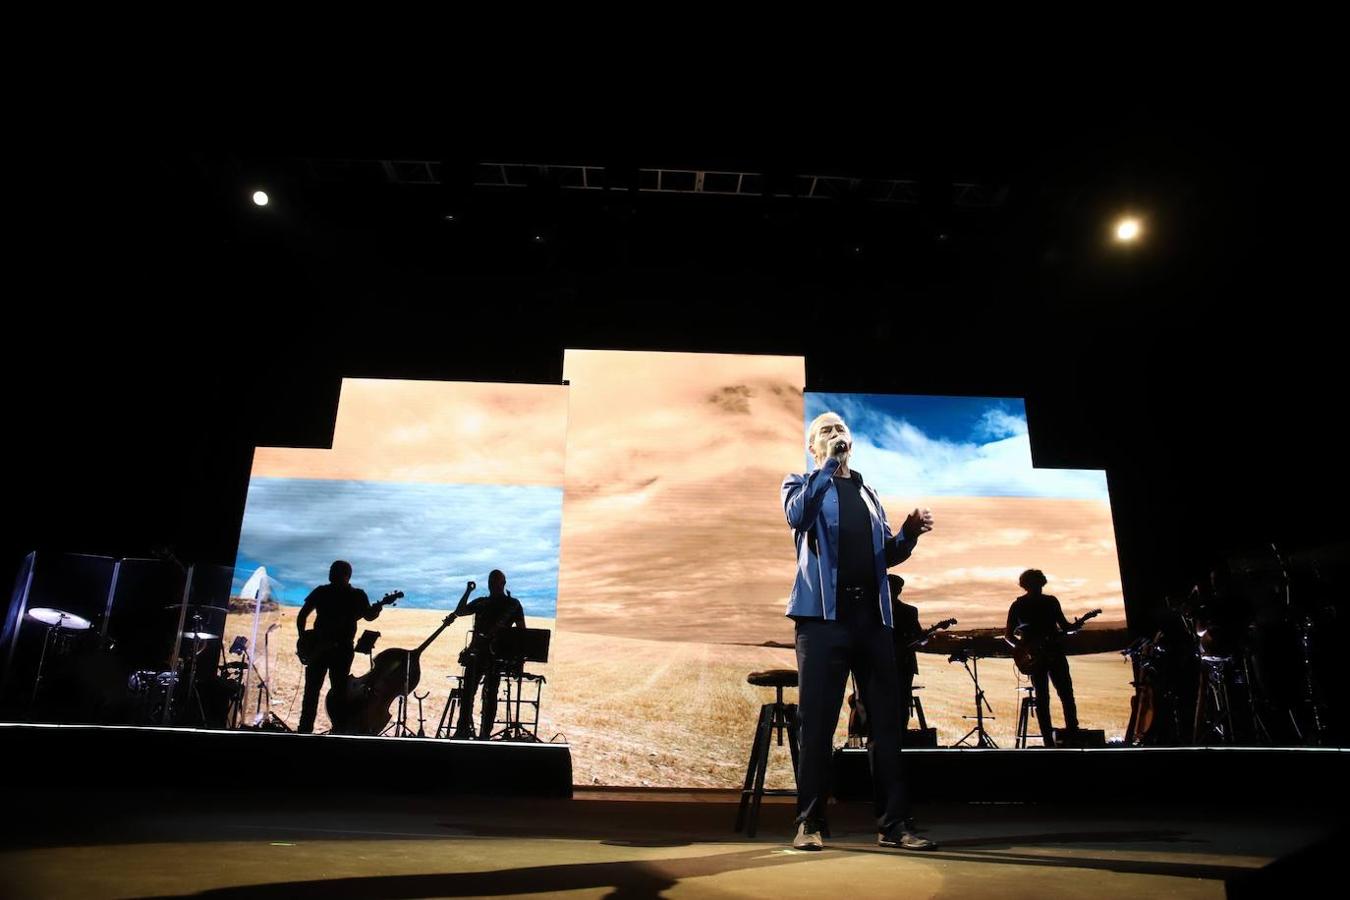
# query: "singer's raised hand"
920,521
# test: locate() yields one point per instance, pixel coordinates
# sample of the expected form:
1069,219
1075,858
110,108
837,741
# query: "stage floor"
598,844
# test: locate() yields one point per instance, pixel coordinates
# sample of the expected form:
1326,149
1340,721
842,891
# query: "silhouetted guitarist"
1036,619
327,649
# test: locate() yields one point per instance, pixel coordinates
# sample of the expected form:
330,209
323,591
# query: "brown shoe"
901,839
808,840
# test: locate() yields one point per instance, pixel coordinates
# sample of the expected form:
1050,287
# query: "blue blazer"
811,502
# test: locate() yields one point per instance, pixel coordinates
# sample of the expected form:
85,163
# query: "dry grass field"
643,712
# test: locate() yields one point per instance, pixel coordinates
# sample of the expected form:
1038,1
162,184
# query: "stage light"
260,198
1128,230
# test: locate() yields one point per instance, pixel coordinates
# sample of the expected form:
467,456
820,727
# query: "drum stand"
1213,709
1312,692
1259,730
198,643
192,692
52,638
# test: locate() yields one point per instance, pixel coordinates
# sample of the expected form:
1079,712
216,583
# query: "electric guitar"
310,643
923,639
1031,652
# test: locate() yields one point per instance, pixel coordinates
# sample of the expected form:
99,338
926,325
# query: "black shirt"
494,613
1039,613
857,559
337,608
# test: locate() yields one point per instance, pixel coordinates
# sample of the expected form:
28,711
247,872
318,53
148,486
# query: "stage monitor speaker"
920,739
1082,739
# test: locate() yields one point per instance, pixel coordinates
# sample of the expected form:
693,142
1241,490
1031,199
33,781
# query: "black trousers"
484,670
906,696
1057,671
336,664
826,652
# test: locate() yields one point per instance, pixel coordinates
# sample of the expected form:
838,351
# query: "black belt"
860,598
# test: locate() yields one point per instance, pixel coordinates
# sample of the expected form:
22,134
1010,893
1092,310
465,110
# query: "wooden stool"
774,717
916,706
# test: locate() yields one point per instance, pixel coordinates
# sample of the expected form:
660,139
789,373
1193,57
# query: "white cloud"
999,423
902,460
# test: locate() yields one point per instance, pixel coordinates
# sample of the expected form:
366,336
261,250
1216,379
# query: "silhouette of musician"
1037,617
492,614
905,631
337,607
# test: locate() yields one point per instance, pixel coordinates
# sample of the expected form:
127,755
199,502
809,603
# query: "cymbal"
60,619
200,635
198,606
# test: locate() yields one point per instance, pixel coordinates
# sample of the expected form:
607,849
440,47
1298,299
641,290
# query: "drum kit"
156,694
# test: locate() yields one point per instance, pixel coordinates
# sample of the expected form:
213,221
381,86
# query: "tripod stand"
399,726
191,694
982,738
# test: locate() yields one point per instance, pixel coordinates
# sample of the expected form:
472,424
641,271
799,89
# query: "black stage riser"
99,757
1162,775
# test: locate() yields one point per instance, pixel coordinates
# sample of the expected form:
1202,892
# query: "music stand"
513,648
366,644
522,645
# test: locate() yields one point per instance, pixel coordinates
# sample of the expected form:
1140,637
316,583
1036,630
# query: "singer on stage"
841,605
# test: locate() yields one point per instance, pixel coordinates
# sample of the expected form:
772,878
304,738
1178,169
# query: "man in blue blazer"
841,605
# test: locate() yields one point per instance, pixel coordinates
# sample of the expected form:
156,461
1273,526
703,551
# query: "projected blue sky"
952,446
423,539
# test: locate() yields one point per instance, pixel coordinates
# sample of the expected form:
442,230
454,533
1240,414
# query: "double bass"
364,708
